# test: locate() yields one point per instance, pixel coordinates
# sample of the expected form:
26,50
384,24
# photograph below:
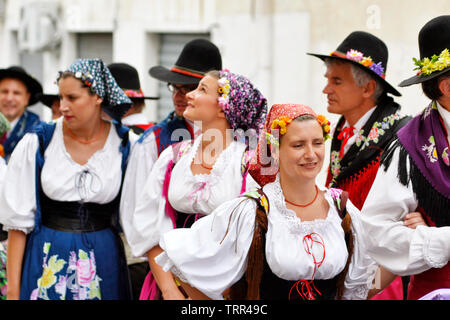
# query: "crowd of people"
220,200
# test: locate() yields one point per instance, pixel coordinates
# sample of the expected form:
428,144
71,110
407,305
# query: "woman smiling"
291,239
190,179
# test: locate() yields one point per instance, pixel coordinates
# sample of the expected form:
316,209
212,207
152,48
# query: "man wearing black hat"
357,90
17,91
197,58
415,176
127,78
52,101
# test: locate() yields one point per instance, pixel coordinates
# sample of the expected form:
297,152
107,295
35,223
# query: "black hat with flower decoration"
434,46
365,51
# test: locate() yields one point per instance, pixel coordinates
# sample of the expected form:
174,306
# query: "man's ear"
444,86
369,89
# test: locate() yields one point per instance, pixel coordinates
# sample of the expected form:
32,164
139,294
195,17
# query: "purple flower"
377,68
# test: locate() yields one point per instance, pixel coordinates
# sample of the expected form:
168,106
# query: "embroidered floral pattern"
376,132
431,150
427,111
335,164
80,276
378,129
445,156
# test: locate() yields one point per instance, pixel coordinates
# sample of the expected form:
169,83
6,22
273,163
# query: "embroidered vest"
356,171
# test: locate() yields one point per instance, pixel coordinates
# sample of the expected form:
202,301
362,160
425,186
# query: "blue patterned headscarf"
96,75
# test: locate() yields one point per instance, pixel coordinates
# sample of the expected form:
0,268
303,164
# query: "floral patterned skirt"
74,266
2,271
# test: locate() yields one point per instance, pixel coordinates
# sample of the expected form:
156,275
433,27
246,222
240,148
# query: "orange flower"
367,61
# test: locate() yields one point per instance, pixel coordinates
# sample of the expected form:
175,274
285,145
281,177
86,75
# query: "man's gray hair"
360,77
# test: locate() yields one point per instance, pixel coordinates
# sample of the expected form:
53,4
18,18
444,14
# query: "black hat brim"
419,79
34,87
47,99
163,74
388,86
137,99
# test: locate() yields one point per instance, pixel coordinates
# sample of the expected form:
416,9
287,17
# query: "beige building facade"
265,40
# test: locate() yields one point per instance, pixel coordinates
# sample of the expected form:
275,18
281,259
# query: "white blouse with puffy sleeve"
188,193
396,247
62,178
212,254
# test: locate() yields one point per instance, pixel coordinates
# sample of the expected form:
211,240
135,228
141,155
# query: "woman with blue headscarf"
62,217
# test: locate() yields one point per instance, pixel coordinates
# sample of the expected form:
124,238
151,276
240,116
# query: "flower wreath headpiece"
282,122
359,57
427,66
224,91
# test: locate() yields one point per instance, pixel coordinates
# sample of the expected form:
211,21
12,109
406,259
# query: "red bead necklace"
304,205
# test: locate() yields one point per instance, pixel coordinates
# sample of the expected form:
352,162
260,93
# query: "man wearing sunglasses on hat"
197,58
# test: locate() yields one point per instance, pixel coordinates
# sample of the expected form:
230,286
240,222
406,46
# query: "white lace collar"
225,158
295,224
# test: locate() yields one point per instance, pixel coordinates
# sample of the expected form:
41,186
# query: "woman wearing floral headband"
63,215
415,176
284,241
209,170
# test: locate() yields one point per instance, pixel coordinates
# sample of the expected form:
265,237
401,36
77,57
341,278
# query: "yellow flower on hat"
427,66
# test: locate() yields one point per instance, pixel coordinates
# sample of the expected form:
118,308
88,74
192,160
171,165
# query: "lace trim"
357,293
164,261
224,159
294,223
434,260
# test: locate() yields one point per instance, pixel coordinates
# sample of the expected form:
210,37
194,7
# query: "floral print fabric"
244,105
79,277
2,271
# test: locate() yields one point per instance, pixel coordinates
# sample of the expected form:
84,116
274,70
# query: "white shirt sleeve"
400,249
144,225
211,255
142,157
362,267
18,199
2,171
